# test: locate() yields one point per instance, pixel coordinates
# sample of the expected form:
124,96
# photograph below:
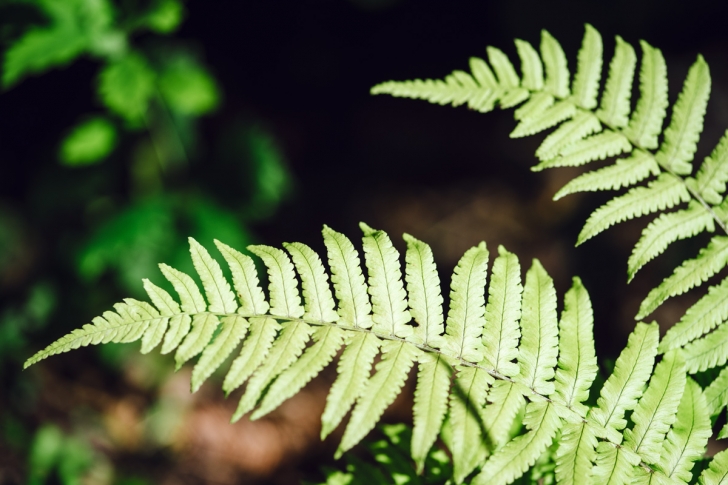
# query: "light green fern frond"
591,128
494,363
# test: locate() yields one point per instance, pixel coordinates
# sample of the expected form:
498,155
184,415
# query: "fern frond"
234,329
423,286
688,437
664,192
505,402
285,300
346,275
581,125
245,281
646,122
124,325
502,314
614,465
588,69
506,355
713,174
284,352
507,77
557,70
203,328
430,404
595,147
693,272
707,352
614,108
623,173
708,312
657,409
217,289
511,461
716,394
576,453
318,301
189,294
624,387
666,229
380,391
353,369
545,119
328,340
466,403
530,65
717,472
389,300
577,359
539,332
681,136
255,349
465,320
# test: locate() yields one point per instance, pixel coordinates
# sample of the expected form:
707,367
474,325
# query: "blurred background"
128,125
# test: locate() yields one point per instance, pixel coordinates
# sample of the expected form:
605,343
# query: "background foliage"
129,125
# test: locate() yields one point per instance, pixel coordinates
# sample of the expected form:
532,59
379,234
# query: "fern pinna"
492,363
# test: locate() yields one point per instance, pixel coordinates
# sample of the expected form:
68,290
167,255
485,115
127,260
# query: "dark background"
303,70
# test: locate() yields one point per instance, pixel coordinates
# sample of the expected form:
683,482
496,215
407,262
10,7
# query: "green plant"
509,357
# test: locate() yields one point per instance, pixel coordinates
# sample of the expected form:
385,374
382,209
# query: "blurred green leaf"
76,458
126,86
44,453
165,17
272,178
75,26
88,143
188,88
132,243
